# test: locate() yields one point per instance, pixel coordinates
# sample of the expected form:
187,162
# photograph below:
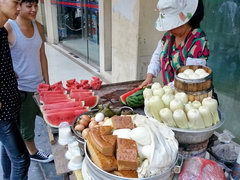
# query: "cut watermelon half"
90,101
129,93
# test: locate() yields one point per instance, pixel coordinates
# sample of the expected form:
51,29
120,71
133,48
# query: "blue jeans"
15,157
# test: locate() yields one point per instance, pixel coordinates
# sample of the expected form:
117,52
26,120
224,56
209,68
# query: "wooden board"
112,92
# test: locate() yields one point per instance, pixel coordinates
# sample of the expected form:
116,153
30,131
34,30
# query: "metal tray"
77,133
190,136
91,113
194,136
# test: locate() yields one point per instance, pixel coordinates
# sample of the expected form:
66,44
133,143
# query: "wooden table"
58,152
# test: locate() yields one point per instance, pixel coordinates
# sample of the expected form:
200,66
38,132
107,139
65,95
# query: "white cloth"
154,66
196,61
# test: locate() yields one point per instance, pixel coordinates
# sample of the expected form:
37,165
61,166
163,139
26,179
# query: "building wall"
148,36
134,38
125,29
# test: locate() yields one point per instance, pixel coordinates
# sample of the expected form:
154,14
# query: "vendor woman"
184,42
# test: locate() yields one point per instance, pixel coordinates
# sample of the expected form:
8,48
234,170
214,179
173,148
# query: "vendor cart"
109,93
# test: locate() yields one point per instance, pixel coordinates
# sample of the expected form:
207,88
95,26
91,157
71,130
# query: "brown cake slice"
104,143
122,122
106,163
126,154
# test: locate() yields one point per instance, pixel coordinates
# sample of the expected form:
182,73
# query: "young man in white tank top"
26,39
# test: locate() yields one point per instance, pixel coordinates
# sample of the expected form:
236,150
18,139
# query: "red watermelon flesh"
67,109
51,92
90,101
80,90
57,84
129,93
71,81
55,118
57,100
62,105
79,112
58,117
79,95
43,86
52,96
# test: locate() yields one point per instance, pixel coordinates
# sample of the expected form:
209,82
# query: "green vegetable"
155,105
107,111
147,93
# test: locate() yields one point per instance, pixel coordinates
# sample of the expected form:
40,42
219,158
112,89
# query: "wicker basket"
193,85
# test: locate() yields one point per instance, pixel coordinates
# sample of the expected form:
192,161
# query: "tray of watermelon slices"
64,102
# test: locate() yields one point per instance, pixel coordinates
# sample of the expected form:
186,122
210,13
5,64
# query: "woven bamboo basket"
193,85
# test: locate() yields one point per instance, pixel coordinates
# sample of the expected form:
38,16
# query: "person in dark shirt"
15,158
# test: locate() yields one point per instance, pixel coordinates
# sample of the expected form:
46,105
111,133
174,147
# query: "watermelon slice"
71,81
57,100
90,101
67,109
80,95
42,93
79,112
80,90
43,87
129,93
56,118
57,84
62,105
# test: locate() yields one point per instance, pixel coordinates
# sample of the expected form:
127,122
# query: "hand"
147,81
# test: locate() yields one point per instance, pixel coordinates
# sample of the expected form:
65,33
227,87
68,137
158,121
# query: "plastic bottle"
236,169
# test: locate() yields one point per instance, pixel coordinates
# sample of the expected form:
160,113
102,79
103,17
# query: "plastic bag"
198,168
224,149
163,149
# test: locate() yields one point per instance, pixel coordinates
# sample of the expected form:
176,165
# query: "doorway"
78,28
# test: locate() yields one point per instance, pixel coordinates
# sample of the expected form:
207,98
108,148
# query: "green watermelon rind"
123,97
136,99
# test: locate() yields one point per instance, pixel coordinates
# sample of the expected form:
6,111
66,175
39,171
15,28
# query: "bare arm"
43,57
11,36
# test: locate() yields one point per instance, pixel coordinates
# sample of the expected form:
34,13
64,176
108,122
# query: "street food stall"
125,132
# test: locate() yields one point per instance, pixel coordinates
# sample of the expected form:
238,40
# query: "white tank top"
26,58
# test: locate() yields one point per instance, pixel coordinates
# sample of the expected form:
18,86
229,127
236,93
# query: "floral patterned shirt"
172,57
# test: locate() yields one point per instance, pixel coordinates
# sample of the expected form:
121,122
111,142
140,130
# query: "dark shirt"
9,94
